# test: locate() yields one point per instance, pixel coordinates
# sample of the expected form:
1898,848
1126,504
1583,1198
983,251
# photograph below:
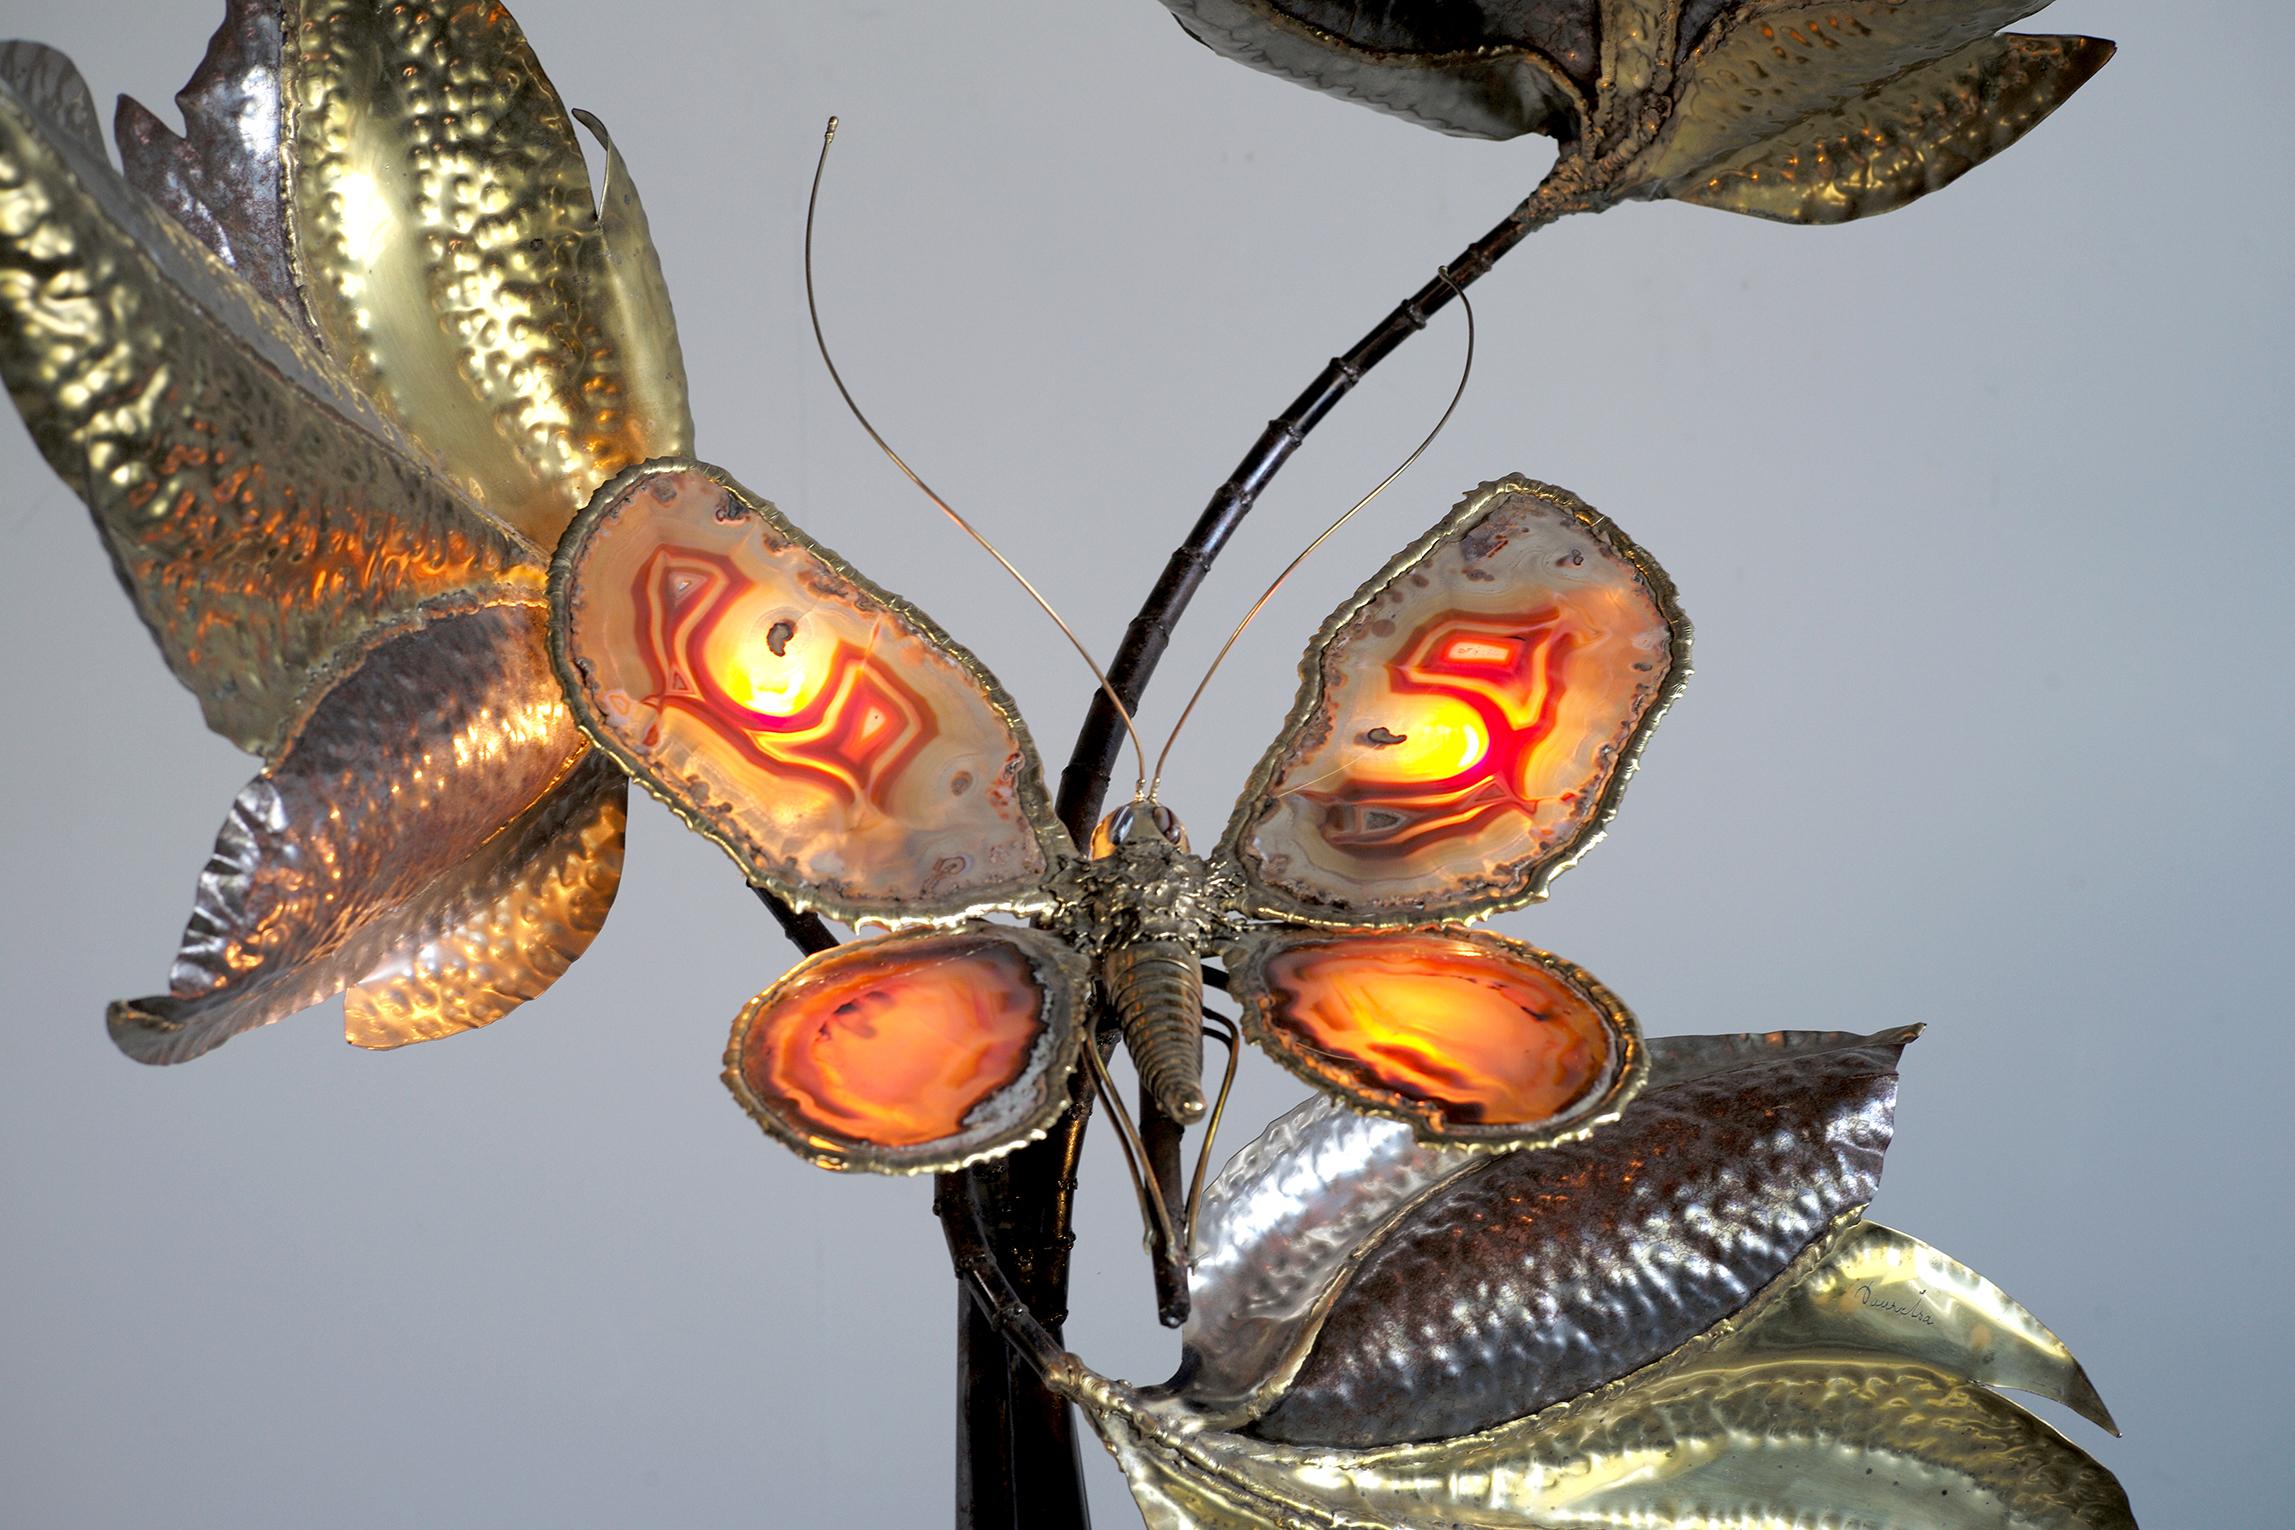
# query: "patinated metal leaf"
1919,132
1470,1037
1679,1321
1476,70
1467,721
1783,109
845,751
914,1053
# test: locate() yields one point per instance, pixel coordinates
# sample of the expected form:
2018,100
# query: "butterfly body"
1464,727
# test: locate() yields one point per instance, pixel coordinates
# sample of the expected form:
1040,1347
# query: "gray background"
1981,510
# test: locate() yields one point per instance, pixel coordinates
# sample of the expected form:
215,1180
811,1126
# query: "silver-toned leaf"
1278,1226
221,178
1288,1217
415,794
1539,1275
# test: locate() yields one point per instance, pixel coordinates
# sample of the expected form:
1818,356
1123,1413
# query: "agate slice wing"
1466,722
848,754
1469,1037
914,1053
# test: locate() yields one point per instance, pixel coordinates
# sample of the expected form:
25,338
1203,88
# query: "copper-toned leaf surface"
845,751
1469,1037
914,1053
443,232
260,516
511,928
222,178
403,808
1916,134
1467,721
1483,70
1541,1274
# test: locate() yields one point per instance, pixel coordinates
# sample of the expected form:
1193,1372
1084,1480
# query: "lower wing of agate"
1470,1037
914,1053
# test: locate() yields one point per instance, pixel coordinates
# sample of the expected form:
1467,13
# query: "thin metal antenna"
813,309
1135,1151
1465,372
1230,1036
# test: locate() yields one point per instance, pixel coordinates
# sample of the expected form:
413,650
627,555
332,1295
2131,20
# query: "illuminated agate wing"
258,511
436,836
1471,1038
914,1053
1476,71
1466,722
1784,109
1682,1320
846,752
442,230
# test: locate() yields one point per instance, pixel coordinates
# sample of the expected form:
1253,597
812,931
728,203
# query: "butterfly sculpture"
1463,729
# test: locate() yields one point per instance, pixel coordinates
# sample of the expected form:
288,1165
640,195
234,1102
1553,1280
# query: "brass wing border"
1027,896
1262,901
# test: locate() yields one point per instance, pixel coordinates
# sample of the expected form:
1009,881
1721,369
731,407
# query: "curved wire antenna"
1465,373
821,342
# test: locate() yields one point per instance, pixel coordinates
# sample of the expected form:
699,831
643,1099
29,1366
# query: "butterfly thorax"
1148,908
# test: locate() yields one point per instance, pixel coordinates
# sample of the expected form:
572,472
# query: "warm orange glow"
1488,1038
820,730
893,1043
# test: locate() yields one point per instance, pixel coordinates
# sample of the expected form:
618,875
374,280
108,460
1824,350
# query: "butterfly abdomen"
1156,987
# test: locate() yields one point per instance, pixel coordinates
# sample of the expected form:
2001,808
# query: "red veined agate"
847,753
1466,724
911,1052
1468,1035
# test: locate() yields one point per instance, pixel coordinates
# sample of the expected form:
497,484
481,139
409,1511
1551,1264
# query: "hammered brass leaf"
443,233
431,833
1918,133
258,511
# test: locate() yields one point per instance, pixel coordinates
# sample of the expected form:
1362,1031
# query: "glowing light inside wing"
1485,1038
813,725
892,1043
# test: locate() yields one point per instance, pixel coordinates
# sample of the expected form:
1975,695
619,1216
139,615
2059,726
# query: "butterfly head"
1138,822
